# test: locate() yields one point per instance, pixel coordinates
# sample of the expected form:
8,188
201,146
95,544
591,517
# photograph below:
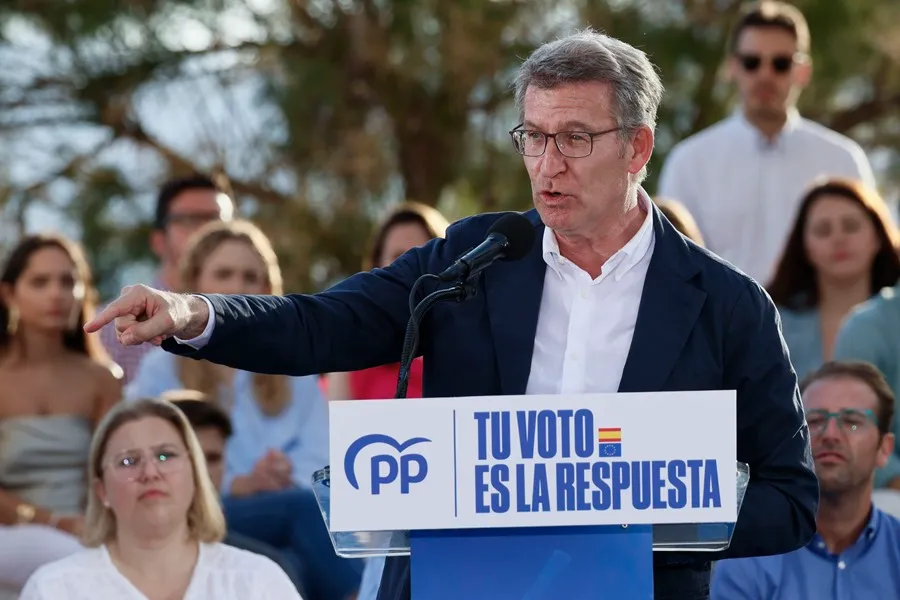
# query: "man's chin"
555,217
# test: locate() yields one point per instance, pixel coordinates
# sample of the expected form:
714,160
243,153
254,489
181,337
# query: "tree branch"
136,133
865,112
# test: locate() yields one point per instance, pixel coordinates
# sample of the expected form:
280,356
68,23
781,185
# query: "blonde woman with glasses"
153,525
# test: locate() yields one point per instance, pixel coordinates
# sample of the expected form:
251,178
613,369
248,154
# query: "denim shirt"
300,430
871,333
870,568
803,335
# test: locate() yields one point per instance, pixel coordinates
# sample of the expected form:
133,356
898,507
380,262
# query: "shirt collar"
866,535
625,258
790,126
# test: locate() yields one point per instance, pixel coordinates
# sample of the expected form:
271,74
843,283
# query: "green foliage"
361,103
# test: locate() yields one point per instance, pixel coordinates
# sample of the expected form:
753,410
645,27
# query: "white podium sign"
533,461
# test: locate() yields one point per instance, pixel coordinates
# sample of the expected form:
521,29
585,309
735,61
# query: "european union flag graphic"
610,440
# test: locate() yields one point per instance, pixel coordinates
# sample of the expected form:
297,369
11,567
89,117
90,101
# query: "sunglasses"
752,62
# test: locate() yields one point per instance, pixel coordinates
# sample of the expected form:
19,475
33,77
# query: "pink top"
380,383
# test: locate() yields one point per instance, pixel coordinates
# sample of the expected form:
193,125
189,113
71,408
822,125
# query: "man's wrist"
198,311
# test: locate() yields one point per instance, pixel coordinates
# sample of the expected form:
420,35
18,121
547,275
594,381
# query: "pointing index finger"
117,308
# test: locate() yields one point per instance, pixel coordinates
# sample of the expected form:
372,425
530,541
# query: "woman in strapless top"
56,383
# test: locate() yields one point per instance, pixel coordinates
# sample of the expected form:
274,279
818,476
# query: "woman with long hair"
407,226
56,384
154,525
841,251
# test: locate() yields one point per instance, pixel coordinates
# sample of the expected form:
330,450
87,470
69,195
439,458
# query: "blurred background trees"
321,113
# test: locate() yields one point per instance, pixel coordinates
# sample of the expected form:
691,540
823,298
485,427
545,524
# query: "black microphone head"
519,234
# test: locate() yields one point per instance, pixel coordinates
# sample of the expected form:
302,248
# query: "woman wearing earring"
154,525
56,383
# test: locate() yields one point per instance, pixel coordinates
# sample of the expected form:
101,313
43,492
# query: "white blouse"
222,572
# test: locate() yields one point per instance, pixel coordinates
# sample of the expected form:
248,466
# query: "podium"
533,497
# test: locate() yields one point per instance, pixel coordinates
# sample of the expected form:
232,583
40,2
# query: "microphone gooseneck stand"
398,567
460,291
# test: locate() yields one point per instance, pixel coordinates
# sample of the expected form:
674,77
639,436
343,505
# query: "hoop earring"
12,323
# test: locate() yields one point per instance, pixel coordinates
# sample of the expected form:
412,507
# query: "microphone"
509,238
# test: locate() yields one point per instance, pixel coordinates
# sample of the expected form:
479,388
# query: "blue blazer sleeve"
357,324
779,510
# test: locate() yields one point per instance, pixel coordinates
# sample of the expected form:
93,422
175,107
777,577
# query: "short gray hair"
592,56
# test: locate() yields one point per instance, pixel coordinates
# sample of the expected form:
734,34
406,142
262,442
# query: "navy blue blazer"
701,325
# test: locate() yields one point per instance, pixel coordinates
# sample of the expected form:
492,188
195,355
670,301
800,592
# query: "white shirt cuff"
201,340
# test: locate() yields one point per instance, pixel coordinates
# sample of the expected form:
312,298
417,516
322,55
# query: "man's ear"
159,244
802,71
885,449
641,149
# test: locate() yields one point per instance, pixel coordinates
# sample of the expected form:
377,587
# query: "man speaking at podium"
610,297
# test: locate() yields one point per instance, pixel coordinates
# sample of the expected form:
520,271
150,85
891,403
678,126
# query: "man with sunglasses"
849,407
742,178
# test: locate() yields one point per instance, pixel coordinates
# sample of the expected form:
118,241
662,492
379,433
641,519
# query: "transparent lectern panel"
681,537
701,537
357,544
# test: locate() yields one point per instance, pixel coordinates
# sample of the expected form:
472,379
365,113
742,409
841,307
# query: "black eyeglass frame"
520,149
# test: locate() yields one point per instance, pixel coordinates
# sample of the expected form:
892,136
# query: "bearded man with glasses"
849,408
742,179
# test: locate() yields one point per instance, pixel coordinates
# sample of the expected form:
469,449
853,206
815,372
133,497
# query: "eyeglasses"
130,466
574,144
780,64
848,419
196,219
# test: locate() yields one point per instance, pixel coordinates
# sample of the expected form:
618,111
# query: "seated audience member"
871,333
280,423
681,218
154,526
407,226
213,428
856,550
56,383
840,252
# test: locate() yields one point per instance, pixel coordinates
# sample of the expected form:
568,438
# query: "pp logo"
411,468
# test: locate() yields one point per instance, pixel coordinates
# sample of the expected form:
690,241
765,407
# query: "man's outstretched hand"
143,314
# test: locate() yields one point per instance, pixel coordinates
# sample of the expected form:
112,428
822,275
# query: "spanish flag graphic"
610,441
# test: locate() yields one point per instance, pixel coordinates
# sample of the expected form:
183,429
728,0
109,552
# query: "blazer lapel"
670,306
513,291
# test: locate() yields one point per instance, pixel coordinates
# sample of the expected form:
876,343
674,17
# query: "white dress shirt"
585,326
744,191
222,572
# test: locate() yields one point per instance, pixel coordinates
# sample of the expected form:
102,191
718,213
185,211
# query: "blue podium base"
544,563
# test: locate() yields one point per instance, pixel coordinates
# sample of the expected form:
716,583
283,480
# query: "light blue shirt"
802,333
871,333
870,569
300,431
